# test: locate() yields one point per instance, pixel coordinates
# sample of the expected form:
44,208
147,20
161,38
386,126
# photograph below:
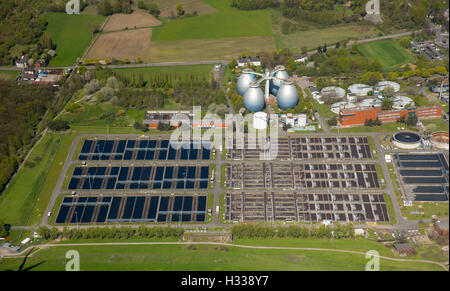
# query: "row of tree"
254,4
105,7
110,233
293,231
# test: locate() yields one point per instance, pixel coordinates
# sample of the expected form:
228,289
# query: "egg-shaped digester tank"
244,81
280,72
287,96
254,98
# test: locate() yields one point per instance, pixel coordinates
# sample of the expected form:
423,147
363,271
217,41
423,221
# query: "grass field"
227,22
168,7
16,202
72,35
206,49
386,127
180,70
9,75
311,36
202,257
390,53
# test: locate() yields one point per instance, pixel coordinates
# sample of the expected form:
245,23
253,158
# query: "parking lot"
300,207
428,49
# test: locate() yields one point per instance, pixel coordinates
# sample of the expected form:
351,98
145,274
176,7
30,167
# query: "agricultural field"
137,19
129,44
206,49
201,257
72,34
227,22
390,53
312,36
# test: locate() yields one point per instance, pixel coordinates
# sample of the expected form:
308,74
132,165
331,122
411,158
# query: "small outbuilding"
441,227
404,249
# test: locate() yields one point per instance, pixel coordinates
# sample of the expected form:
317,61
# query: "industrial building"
357,116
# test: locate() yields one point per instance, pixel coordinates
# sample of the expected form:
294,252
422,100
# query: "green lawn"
9,75
202,257
71,34
386,127
226,22
17,201
179,70
390,53
436,124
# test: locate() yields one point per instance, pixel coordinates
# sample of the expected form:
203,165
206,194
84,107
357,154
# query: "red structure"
357,116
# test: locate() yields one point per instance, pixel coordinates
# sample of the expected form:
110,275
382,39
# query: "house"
404,249
22,62
255,61
303,58
441,227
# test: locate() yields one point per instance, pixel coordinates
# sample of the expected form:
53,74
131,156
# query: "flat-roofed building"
357,116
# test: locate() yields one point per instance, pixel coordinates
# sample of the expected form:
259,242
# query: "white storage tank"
260,120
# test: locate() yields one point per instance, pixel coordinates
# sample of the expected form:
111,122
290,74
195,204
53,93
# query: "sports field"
390,53
202,257
226,22
71,34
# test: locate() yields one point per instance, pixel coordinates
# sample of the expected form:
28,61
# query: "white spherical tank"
280,72
260,120
254,98
244,81
287,96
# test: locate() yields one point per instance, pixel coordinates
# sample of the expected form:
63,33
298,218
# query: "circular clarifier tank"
407,140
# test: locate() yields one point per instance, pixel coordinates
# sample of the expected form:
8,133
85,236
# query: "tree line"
339,231
110,233
254,4
21,109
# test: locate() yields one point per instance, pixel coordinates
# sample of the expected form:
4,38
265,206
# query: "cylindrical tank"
254,98
244,81
287,96
260,120
280,72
